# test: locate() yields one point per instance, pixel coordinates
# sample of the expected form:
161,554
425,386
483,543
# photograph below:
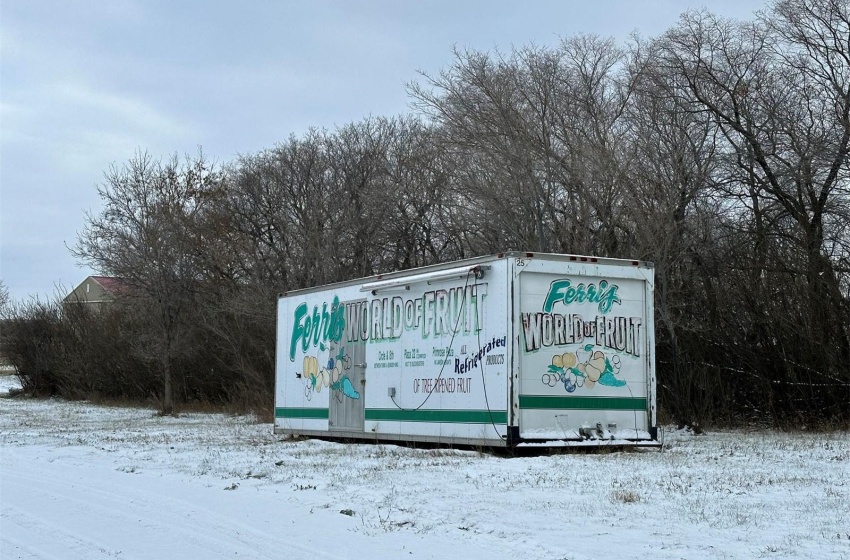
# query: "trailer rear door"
584,353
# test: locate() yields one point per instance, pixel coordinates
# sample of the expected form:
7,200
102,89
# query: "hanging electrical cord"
484,384
450,347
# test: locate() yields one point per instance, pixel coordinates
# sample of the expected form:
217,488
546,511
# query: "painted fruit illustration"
583,368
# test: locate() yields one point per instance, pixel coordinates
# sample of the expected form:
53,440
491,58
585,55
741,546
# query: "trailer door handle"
360,365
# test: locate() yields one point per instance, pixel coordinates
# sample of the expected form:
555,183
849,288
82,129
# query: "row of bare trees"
718,150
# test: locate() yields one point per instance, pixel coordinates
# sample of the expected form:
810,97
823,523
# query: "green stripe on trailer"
556,402
301,412
443,416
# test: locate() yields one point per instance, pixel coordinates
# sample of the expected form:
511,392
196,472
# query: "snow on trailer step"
507,350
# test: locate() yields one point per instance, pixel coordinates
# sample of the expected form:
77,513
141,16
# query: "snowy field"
79,481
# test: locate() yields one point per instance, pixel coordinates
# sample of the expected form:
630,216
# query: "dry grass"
624,496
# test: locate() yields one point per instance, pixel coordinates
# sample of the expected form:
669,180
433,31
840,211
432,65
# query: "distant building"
97,291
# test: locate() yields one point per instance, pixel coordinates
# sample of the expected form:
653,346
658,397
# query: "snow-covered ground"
79,481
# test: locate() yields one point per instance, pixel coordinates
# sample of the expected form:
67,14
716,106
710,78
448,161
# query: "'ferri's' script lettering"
318,328
605,294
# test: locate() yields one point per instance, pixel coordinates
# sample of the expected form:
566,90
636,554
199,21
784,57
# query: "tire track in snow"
105,510
126,508
11,547
61,540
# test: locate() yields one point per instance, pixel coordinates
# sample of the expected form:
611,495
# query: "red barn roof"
111,284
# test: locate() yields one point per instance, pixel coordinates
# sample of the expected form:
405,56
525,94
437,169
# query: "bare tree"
673,209
778,89
146,234
478,104
418,228
537,132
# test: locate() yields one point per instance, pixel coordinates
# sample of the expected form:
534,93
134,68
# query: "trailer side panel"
421,358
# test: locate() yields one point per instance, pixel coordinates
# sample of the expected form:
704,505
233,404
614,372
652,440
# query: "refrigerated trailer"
507,350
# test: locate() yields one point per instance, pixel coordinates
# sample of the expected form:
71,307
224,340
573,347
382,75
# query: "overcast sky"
84,84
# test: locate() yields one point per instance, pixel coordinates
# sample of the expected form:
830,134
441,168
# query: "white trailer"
506,350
